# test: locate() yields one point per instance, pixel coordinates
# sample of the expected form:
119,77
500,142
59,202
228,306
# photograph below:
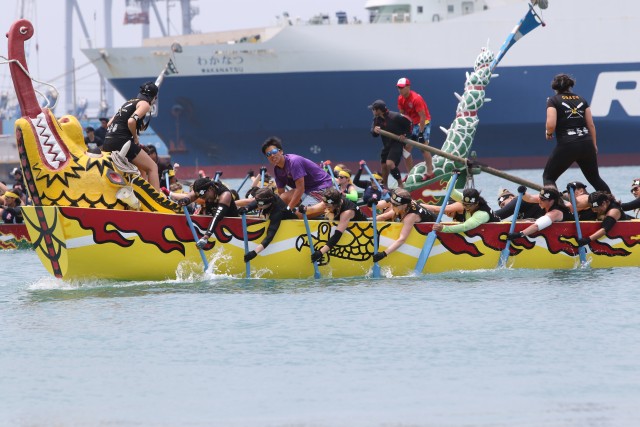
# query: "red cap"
403,82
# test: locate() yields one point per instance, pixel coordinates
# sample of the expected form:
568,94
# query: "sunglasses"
271,152
634,189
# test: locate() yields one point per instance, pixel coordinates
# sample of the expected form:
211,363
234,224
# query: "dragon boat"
14,236
92,219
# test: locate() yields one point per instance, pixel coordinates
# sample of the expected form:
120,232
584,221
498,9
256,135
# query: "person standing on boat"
299,173
476,212
392,150
408,212
550,200
608,210
569,117
218,202
337,207
273,208
413,105
125,126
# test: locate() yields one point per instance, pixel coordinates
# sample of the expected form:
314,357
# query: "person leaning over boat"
476,212
218,202
555,210
10,211
507,205
413,105
299,173
454,210
408,212
582,201
608,210
369,186
569,117
125,126
392,150
337,205
635,204
273,208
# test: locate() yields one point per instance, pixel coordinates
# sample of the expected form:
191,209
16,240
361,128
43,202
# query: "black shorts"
392,151
114,145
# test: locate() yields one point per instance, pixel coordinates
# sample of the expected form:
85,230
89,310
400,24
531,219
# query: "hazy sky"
47,61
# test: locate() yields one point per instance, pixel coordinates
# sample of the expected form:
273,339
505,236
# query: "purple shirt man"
297,172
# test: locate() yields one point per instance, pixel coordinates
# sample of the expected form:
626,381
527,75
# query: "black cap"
16,170
149,89
470,195
201,185
89,129
104,119
378,104
577,184
549,193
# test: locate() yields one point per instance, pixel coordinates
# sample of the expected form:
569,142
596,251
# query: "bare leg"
148,168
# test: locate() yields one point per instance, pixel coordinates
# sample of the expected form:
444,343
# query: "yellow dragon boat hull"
84,243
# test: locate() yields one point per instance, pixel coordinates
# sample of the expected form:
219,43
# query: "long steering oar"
316,272
249,175
246,242
376,267
217,176
431,237
384,196
504,255
195,237
464,161
581,249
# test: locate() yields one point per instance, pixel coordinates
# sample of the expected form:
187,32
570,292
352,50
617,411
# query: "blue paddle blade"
504,255
195,237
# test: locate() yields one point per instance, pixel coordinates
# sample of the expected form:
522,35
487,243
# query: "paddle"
504,255
384,196
467,162
263,170
217,176
581,249
249,175
246,241
376,267
327,164
316,274
195,237
431,237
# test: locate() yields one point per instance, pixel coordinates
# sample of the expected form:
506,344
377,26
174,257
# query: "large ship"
310,84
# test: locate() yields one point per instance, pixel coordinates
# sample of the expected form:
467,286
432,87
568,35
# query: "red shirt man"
412,105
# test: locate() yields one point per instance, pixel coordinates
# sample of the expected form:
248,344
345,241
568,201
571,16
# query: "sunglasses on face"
271,152
634,189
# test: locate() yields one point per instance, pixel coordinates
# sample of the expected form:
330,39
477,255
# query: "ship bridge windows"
390,14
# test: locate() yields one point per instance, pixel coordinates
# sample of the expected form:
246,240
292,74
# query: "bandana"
11,194
399,200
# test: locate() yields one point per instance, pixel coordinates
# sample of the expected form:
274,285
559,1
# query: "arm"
629,206
352,193
607,224
298,192
552,118
542,222
345,217
478,218
132,123
449,210
591,126
407,226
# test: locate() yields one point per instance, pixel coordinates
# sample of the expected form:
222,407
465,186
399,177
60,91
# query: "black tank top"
119,128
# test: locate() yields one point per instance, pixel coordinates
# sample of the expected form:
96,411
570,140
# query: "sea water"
480,348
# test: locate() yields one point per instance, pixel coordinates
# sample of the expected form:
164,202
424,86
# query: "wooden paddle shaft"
453,157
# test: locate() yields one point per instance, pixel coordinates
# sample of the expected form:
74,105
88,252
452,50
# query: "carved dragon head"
56,166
